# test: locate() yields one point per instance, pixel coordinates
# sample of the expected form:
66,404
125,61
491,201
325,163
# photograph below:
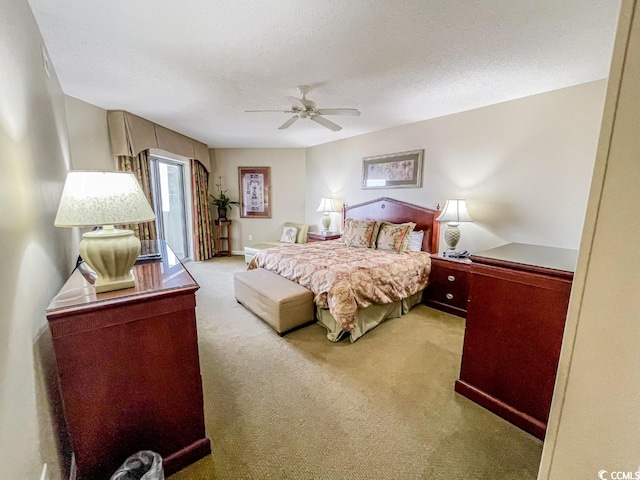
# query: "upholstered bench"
281,303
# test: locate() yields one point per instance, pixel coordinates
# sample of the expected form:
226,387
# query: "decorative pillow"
303,228
415,241
358,233
394,237
289,235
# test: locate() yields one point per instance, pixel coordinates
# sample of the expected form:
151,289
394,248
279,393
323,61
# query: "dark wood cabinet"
129,370
448,285
518,300
319,237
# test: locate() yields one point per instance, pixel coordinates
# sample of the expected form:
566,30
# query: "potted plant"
222,201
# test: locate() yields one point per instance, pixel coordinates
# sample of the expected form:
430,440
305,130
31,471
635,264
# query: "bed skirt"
366,318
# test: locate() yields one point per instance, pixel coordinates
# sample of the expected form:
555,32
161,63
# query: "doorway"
170,203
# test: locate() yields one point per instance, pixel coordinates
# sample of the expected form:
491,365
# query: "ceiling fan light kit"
304,108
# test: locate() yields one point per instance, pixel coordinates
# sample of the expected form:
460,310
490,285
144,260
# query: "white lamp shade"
455,211
102,198
327,205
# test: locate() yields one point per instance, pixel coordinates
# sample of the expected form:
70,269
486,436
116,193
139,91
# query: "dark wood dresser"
129,368
518,301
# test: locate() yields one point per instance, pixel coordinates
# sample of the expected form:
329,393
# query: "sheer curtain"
202,234
140,166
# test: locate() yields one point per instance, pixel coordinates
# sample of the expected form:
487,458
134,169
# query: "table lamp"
91,199
454,212
327,206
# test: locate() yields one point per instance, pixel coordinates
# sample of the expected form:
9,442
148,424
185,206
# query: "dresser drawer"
448,287
449,277
449,294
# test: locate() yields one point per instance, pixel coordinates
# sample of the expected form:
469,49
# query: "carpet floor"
302,407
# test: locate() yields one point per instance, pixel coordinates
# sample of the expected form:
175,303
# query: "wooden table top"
153,277
561,259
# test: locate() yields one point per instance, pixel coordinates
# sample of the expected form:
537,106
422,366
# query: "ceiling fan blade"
261,111
288,123
296,102
326,123
339,111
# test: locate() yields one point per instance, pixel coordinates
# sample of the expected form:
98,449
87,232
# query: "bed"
356,289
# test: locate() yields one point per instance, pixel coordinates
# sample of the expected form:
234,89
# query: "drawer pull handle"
449,296
451,278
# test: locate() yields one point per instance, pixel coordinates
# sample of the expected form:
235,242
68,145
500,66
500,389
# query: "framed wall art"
255,191
394,170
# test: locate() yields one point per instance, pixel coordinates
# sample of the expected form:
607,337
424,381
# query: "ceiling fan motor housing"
303,108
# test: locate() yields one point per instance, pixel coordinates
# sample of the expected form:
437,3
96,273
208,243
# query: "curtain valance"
131,134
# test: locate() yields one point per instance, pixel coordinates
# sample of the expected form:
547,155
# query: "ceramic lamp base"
111,253
452,236
326,223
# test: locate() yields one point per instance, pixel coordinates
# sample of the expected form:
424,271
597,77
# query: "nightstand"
448,288
318,237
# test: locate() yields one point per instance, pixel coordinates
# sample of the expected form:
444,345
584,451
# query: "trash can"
144,465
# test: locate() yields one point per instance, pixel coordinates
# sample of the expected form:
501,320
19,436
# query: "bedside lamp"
91,199
327,206
454,212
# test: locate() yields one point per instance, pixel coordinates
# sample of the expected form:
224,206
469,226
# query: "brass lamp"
454,212
105,199
327,206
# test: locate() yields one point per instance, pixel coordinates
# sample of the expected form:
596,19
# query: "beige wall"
88,136
288,184
524,166
36,257
594,422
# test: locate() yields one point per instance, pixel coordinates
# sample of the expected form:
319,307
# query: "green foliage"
222,200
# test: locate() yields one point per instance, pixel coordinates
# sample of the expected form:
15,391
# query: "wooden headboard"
395,211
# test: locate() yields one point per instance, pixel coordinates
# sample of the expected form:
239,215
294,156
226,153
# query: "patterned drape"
140,166
202,235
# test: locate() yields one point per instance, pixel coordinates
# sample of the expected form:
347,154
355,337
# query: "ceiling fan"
304,108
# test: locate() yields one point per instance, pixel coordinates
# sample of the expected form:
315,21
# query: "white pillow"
415,241
289,235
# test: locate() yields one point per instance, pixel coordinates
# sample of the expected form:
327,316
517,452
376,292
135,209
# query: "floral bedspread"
344,278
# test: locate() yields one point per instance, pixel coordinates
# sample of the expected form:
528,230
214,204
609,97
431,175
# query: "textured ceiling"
195,65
